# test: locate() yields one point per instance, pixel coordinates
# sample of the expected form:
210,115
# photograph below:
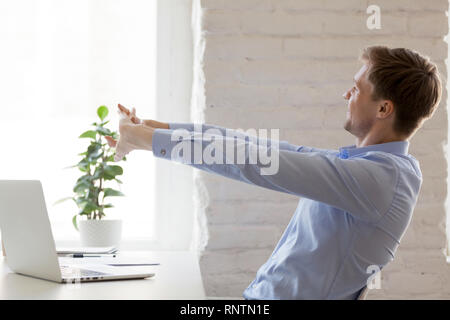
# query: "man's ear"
385,109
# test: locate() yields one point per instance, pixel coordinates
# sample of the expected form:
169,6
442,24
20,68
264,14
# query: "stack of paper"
86,250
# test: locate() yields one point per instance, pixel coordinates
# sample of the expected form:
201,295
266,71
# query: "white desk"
177,277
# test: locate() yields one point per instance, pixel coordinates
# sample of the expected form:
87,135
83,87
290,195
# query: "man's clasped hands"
135,133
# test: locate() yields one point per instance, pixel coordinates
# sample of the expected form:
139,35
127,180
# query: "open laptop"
29,243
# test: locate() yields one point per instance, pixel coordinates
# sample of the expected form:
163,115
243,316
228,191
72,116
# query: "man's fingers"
123,109
121,151
119,155
134,118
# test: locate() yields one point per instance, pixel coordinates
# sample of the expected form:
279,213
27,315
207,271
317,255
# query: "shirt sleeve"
283,145
363,186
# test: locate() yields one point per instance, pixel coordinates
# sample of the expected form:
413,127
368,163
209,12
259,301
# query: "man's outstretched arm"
353,185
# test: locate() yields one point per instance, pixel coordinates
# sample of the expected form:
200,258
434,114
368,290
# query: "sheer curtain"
60,60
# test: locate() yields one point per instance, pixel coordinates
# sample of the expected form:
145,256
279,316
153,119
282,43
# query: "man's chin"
347,126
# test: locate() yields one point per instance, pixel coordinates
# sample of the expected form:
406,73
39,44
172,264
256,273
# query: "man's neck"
377,137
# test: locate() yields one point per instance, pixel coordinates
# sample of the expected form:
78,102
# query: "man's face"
361,113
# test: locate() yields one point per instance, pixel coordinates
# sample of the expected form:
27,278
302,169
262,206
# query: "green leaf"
102,112
88,134
85,178
108,205
83,165
94,151
90,206
109,192
118,181
81,186
103,131
95,155
98,173
87,206
74,221
62,200
94,147
110,172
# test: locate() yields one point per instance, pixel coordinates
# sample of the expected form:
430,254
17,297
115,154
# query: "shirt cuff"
162,143
181,125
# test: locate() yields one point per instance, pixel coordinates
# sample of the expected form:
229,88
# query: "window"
61,59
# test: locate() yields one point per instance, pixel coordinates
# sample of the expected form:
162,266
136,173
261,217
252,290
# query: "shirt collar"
397,147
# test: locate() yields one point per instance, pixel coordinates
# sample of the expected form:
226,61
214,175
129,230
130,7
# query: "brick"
280,23
323,47
268,118
434,189
220,23
227,5
242,47
233,260
270,96
412,283
220,72
420,260
430,214
346,46
316,95
233,236
254,47
419,24
413,5
326,5
227,285
286,72
322,5
428,142
398,264
439,120
322,138
433,165
245,212
424,237
356,24
241,96
361,5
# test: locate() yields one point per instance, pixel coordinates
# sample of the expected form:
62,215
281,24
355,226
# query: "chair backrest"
363,293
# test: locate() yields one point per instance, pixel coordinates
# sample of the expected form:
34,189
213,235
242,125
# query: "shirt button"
163,151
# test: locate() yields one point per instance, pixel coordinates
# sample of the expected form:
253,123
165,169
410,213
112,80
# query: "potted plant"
91,191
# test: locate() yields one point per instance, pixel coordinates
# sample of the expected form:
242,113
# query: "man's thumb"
119,153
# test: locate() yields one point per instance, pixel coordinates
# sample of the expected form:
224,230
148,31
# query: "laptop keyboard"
70,272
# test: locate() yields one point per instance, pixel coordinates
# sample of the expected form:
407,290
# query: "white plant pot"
100,233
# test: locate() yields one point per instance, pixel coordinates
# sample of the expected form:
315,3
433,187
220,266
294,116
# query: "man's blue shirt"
355,205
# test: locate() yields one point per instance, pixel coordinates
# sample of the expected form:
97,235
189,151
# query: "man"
356,202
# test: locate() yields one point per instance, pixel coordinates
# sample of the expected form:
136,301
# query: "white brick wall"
285,64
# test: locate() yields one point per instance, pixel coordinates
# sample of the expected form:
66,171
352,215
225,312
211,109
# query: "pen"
87,255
